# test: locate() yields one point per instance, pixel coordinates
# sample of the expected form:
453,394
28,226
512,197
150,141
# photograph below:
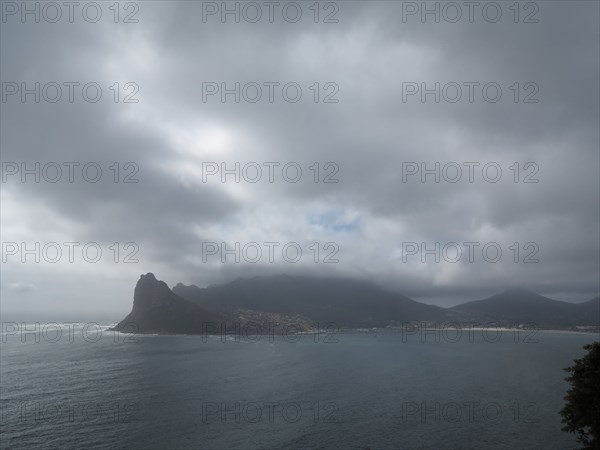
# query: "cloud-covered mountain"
347,302
309,303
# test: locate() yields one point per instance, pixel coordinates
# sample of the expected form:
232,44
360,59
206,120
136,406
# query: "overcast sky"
373,129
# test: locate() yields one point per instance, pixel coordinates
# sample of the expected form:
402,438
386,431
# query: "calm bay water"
367,390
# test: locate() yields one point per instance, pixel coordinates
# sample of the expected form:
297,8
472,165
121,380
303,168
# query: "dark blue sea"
372,389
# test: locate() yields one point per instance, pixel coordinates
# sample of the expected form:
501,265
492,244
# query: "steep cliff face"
156,309
151,293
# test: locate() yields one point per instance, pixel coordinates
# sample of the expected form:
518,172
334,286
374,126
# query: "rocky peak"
150,292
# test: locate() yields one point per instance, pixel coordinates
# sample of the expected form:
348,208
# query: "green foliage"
581,413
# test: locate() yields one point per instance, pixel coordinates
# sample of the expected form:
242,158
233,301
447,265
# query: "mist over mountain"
310,303
349,303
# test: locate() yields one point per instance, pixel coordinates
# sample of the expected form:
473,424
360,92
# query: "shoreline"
370,331
326,332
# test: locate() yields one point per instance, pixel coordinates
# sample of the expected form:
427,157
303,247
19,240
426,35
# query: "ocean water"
377,389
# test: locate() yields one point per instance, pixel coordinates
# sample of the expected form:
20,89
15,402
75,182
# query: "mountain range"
309,303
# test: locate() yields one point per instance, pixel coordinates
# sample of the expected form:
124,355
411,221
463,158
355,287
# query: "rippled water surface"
366,390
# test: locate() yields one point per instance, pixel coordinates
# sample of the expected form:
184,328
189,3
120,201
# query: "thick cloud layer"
359,124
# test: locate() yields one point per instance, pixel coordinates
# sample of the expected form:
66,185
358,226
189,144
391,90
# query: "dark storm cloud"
369,134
